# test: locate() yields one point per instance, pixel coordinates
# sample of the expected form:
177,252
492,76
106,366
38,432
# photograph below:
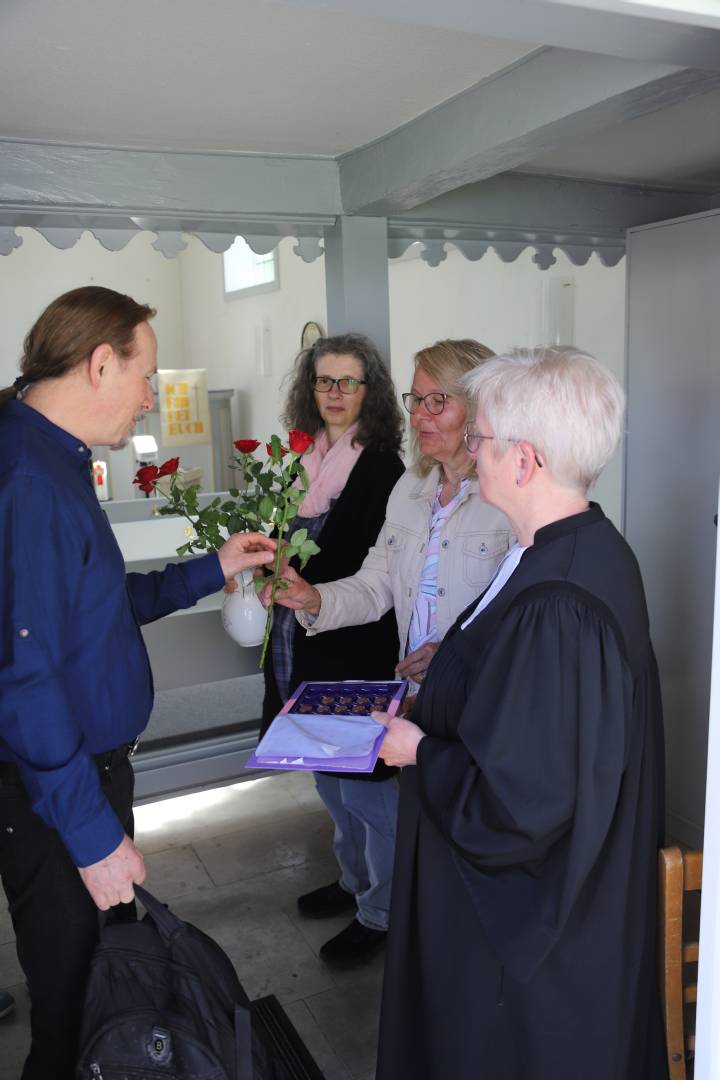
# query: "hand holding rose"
271,497
296,594
245,551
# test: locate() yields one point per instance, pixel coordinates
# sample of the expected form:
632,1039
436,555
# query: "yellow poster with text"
184,407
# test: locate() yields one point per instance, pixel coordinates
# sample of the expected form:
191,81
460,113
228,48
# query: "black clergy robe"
522,927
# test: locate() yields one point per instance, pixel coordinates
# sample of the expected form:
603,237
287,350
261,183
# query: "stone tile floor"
232,861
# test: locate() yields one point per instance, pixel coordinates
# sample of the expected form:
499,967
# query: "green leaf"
309,548
299,537
266,508
291,551
234,492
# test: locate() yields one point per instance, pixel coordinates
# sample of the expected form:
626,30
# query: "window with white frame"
246,272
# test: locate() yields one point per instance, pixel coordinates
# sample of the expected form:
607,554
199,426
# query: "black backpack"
163,1000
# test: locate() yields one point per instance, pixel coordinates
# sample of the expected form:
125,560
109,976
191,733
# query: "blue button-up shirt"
75,677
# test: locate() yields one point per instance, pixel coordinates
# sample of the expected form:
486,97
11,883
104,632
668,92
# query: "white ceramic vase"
243,616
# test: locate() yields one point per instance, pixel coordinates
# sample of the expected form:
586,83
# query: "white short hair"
562,401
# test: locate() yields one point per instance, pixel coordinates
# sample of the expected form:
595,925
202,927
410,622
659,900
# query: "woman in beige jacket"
440,544
437,550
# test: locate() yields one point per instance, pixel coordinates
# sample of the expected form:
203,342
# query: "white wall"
497,303
500,304
232,337
36,272
236,339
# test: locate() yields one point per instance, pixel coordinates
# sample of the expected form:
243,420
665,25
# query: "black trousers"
56,923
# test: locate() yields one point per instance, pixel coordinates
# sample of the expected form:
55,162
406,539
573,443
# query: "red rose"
170,466
268,447
147,488
299,441
146,474
246,446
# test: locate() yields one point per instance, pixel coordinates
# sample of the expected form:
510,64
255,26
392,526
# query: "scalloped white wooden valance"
472,241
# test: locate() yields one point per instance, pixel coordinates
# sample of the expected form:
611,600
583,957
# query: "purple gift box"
326,726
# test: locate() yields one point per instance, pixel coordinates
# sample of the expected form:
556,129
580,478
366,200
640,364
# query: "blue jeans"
365,816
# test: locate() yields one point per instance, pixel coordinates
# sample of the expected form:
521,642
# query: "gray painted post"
356,279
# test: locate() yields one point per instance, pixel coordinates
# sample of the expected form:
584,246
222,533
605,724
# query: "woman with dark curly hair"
341,392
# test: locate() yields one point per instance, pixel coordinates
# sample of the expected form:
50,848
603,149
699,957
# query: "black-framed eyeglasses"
472,439
346,385
434,403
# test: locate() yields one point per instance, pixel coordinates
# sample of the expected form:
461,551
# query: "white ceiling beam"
523,112
525,200
173,188
571,25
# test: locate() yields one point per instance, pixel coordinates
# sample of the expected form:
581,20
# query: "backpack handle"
167,923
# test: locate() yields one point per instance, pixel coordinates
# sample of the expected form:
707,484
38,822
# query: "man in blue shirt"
75,681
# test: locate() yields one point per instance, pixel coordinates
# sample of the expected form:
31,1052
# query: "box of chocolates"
328,726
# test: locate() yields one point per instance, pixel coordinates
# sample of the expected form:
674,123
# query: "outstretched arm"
180,585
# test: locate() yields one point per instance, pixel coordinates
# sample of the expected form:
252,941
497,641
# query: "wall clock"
311,331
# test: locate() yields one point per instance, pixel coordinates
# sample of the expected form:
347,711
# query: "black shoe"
327,901
353,945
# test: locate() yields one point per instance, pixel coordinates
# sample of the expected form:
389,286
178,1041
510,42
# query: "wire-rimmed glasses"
346,385
472,439
434,403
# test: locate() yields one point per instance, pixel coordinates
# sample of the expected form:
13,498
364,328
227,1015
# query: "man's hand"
244,551
399,747
417,662
299,594
111,880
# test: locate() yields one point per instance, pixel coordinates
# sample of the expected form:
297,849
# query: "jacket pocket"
481,554
395,541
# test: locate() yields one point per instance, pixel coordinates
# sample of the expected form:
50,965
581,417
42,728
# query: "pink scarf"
328,468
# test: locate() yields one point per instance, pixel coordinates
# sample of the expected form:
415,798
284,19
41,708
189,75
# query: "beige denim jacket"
474,539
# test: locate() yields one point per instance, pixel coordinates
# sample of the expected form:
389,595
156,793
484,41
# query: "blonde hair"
561,400
447,363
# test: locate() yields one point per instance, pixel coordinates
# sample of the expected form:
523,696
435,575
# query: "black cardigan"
354,652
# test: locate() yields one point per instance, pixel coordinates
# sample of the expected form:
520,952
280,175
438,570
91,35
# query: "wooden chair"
680,873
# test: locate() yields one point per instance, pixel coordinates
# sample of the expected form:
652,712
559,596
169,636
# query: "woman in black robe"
522,942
